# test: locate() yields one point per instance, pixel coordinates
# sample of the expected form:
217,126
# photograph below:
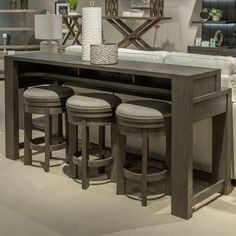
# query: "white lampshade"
48,27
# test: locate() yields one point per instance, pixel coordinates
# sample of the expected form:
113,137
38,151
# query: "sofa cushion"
126,54
139,55
226,64
75,50
229,82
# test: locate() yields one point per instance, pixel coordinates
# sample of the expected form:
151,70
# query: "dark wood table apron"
195,94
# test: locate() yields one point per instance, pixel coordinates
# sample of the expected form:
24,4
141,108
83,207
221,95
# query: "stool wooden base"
83,162
51,143
124,173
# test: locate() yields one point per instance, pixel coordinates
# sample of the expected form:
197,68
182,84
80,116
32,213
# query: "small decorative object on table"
73,7
205,43
111,7
24,4
212,43
4,36
155,7
216,14
104,54
91,29
92,3
218,38
13,4
205,14
140,3
198,42
134,13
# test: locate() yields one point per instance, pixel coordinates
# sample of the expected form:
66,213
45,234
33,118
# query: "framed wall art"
61,8
140,3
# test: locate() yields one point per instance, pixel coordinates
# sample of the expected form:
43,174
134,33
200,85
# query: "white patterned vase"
91,29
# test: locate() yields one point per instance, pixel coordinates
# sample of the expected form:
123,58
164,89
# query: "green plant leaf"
72,4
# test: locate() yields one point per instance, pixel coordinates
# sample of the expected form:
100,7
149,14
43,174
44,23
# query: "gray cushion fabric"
144,109
48,93
93,101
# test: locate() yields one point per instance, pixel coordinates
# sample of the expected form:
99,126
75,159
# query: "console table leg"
222,147
11,109
182,148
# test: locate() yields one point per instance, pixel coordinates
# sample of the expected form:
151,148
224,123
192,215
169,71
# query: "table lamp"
49,28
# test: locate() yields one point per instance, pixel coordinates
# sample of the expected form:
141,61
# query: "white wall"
174,35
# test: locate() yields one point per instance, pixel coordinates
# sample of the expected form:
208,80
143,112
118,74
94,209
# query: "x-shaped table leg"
71,31
133,36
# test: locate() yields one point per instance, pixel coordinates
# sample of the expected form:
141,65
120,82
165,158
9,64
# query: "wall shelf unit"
227,25
20,11
18,24
214,22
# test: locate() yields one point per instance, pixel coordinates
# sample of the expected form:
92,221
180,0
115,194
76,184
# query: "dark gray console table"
195,94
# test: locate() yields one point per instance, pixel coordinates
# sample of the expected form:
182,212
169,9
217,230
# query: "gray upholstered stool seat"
49,101
142,118
150,112
93,103
91,109
48,94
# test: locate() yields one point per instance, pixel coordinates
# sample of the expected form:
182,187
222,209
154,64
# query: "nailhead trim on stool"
142,118
93,109
48,101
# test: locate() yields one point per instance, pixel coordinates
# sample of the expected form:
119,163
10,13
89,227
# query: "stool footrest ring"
154,177
58,143
93,163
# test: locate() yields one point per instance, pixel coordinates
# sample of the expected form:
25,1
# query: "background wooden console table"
195,94
74,26
134,36
131,36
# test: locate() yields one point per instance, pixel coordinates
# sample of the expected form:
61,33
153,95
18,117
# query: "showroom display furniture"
226,25
142,118
153,14
73,24
227,66
47,101
92,110
22,26
134,36
204,99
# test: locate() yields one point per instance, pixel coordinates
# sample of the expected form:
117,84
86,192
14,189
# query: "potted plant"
72,6
216,14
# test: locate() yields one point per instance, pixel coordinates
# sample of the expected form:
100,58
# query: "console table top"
124,66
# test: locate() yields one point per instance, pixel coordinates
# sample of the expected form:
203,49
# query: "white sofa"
202,130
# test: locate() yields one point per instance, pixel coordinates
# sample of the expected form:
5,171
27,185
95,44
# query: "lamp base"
49,47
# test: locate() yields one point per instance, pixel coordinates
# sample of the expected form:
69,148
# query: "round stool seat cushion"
144,110
50,93
90,102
